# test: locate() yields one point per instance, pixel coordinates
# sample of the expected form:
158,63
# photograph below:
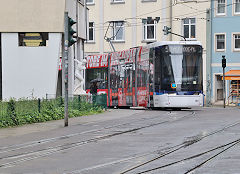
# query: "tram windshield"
178,68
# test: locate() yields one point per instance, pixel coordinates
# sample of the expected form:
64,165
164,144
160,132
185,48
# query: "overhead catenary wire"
174,4
174,18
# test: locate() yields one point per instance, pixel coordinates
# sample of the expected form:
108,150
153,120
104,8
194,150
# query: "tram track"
186,143
169,150
30,155
49,140
226,147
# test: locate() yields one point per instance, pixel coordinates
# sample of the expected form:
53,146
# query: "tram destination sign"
178,49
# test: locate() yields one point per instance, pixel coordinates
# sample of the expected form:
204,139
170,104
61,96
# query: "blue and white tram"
177,80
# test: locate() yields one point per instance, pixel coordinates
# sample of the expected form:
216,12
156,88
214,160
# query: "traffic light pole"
223,66
224,94
65,68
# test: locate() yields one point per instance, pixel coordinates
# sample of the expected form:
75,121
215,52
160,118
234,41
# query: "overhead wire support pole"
167,30
178,35
65,68
111,38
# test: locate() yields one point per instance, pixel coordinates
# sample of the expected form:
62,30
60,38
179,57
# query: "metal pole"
224,94
223,66
136,71
65,68
208,58
109,81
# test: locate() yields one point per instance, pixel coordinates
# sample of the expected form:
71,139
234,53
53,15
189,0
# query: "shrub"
11,111
26,111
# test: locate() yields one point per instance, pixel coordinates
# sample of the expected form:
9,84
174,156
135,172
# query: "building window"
32,39
118,30
189,28
221,7
236,6
91,34
149,0
149,30
90,2
117,1
236,42
220,42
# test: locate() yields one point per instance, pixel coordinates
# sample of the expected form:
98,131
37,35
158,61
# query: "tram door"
121,94
128,85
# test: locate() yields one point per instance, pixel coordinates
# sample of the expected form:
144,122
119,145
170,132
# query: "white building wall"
29,71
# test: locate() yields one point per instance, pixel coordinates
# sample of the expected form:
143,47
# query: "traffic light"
71,32
223,62
166,30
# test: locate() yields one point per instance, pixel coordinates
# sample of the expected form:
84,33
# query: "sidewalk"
56,124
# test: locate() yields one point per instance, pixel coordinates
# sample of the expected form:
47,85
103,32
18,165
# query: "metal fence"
26,106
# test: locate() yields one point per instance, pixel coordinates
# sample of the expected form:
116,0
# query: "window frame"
93,30
90,3
234,8
234,49
216,9
189,28
117,1
114,29
215,42
148,0
145,31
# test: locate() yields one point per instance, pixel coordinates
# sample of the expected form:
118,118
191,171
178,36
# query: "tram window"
96,73
178,65
32,39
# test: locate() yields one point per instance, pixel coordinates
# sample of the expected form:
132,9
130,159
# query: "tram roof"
161,43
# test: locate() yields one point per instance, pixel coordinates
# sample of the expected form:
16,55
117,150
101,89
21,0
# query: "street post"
223,66
65,68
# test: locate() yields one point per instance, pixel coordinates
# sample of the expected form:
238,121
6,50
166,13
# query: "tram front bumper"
178,101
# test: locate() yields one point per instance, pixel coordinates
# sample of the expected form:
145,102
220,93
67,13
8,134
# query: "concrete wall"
15,13
29,71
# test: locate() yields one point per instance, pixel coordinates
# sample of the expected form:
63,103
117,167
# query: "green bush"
26,111
11,112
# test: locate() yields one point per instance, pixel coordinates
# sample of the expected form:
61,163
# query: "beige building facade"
136,22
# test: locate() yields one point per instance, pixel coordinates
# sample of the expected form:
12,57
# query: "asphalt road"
199,141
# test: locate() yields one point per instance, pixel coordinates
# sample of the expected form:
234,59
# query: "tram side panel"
122,72
143,67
